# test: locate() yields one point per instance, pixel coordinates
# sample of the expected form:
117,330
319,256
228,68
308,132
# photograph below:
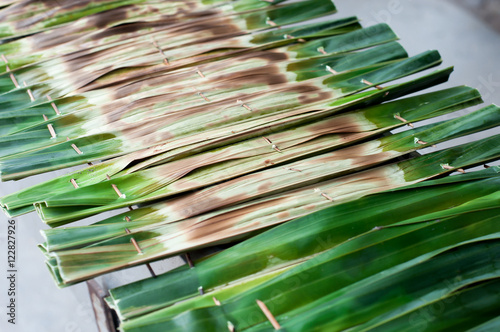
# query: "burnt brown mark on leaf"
310,207
209,199
271,56
283,215
359,155
181,14
179,168
21,8
122,29
130,89
154,81
226,221
162,23
307,93
340,124
56,36
310,93
47,2
174,24
378,178
218,29
268,75
70,32
192,205
110,110
80,60
169,77
157,123
133,30
265,186
103,19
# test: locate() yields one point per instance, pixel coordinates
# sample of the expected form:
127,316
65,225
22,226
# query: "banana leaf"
490,325
330,272
462,97
239,75
289,243
225,121
253,60
28,17
159,242
393,294
144,186
103,27
181,130
85,122
207,26
126,62
462,309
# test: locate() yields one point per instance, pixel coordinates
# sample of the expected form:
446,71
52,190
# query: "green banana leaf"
459,97
159,242
329,273
305,237
393,295
145,187
246,75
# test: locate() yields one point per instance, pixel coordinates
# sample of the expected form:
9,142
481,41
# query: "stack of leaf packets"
272,122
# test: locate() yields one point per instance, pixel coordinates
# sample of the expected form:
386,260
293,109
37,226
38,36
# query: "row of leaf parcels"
333,164
253,13
97,173
123,125
186,223
429,59
390,255
445,101
160,46
241,158
281,122
280,65
345,61
415,142
419,62
251,153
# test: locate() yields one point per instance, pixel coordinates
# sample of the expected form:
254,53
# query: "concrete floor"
487,10
464,41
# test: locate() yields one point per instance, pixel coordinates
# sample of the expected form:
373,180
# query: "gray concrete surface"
464,41
487,10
